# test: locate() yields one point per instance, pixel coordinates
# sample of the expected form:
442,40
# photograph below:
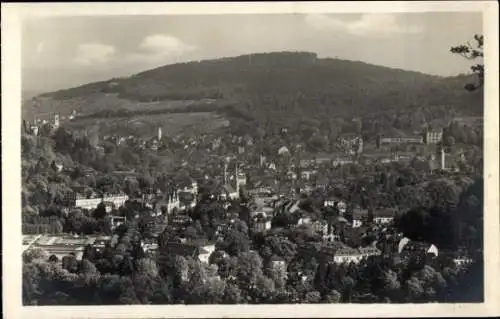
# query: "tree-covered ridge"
289,83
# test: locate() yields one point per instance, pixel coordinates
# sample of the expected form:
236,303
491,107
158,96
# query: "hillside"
276,87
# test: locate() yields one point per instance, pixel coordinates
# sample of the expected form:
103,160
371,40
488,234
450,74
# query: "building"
304,220
229,193
241,180
283,151
352,255
352,143
291,175
403,156
290,207
55,121
462,261
205,252
58,167
320,227
193,188
180,221
342,160
87,203
260,224
220,231
331,237
384,216
306,175
101,242
62,246
277,263
433,137
173,203
150,246
358,216
409,248
34,129
337,203
183,249
116,221
80,201
384,140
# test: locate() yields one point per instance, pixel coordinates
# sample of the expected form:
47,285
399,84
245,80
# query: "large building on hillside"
79,201
61,246
352,143
433,136
388,140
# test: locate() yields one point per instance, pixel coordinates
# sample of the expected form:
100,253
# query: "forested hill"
289,84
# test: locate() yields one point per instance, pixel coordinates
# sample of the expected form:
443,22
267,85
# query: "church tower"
56,121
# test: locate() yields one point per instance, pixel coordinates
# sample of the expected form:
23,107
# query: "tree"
147,267
232,294
31,282
236,242
473,52
414,289
333,297
312,297
279,246
348,287
100,211
35,254
53,259
70,263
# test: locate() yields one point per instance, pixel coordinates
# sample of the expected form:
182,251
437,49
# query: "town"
253,159
302,217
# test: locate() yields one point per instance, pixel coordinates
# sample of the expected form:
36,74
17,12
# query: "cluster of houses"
264,206
33,128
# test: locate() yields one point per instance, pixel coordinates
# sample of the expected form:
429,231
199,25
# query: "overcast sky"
68,51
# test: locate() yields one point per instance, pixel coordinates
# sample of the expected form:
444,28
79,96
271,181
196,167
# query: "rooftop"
64,241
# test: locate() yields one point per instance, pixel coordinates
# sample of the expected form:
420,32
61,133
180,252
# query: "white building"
173,203
277,263
383,220
205,253
116,221
92,203
260,223
348,255
34,130
229,193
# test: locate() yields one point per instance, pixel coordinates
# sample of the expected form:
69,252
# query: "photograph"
252,158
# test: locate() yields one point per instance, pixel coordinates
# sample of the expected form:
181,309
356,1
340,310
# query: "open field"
147,125
94,103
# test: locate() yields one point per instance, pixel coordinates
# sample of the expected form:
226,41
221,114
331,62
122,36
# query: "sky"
62,52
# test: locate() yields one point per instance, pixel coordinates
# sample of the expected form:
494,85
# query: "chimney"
237,181
443,159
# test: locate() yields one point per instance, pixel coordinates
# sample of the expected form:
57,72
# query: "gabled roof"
388,212
185,250
275,258
229,189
